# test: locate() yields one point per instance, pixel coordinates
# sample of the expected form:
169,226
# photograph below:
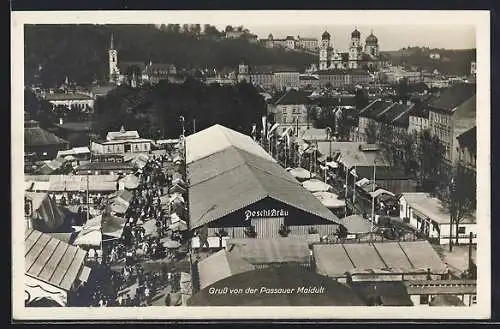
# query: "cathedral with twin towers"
358,57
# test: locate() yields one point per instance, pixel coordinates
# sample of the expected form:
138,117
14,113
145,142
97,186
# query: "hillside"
450,62
53,52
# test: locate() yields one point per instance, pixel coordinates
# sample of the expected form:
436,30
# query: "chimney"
61,121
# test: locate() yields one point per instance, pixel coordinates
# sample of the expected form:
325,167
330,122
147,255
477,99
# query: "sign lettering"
249,214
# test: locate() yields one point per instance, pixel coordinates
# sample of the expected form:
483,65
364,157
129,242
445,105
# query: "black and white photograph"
175,163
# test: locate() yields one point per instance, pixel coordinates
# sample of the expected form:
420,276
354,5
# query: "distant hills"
446,61
80,52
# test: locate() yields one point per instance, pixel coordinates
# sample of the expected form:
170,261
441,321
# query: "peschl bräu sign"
249,214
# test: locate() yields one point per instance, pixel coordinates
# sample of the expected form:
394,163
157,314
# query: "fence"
239,232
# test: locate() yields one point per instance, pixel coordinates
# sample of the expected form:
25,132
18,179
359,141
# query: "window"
424,299
461,230
474,299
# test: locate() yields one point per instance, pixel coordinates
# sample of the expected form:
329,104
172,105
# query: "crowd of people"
137,245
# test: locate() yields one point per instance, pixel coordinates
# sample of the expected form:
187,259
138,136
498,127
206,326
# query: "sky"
389,37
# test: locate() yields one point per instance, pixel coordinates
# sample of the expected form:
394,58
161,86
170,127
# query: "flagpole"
373,201
346,172
354,191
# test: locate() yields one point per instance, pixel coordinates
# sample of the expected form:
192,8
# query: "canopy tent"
130,182
329,200
170,244
150,228
178,226
178,181
174,218
332,164
100,228
177,189
301,173
45,214
315,185
446,300
121,201
362,182
381,191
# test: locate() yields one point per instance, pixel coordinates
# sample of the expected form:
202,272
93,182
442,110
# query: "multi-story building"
380,112
119,142
309,81
311,44
292,110
286,78
290,42
71,101
357,57
40,143
419,119
467,150
337,78
451,114
262,76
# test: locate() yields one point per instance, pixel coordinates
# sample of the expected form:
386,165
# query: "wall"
286,79
417,124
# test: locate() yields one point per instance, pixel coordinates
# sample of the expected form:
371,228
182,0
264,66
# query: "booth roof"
51,260
243,186
220,266
217,138
385,257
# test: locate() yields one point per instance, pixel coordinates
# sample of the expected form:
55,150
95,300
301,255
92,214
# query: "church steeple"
111,46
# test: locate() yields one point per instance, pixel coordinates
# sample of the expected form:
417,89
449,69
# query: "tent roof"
356,224
220,266
283,277
217,138
51,260
413,256
46,211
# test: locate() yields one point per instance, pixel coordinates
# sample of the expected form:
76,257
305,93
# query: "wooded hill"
80,52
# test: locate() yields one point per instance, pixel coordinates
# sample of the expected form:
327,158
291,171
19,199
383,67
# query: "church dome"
371,39
355,34
270,37
325,35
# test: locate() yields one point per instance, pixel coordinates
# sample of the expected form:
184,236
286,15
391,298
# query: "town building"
342,78
473,69
120,142
309,82
301,43
418,119
71,101
286,78
262,76
42,143
292,111
247,188
428,215
395,74
451,114
331,58
380,112
135,73
53,269
467,149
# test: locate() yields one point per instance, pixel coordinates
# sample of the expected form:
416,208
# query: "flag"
354,173
272,129
264,125
254,131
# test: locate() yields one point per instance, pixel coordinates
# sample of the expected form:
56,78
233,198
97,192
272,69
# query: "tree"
228,28
371,132
460,199
430,154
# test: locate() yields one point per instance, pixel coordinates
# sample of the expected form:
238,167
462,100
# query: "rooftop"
51,260
352,155
468,139
432,208
37,136
66,96
335,260
454,96
122,135
293,97
217,138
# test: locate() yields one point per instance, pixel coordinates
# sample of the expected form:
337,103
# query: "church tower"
355,49
371,46
114,73
324,49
